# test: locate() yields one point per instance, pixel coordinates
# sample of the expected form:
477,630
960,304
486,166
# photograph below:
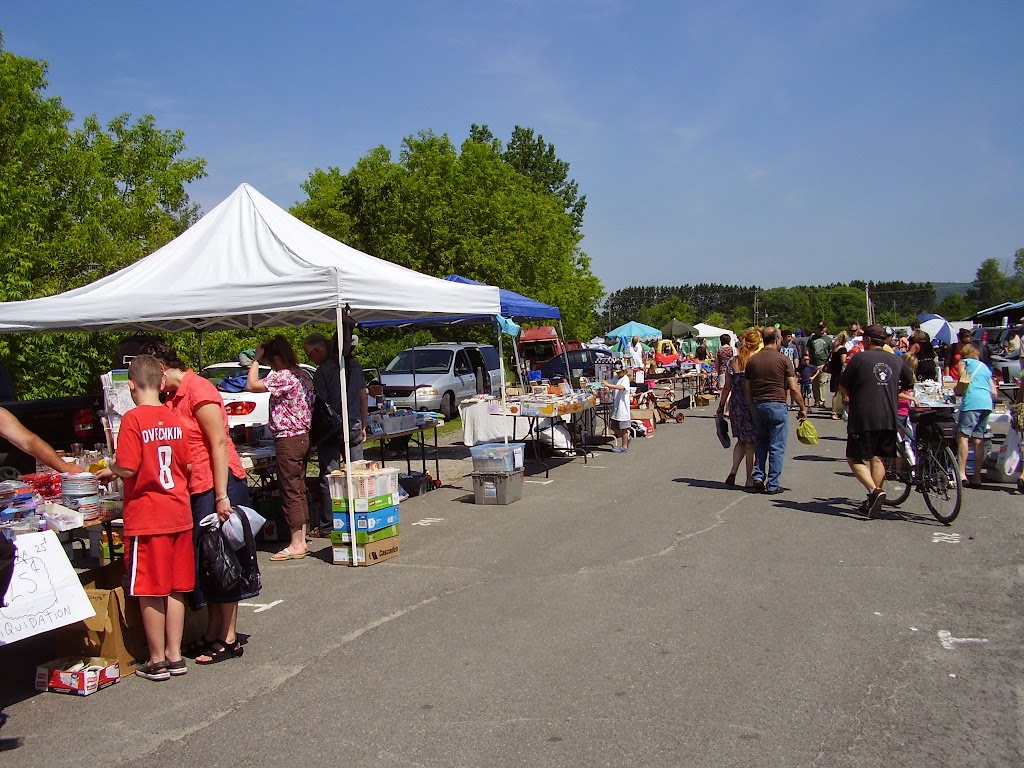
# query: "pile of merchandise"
373,506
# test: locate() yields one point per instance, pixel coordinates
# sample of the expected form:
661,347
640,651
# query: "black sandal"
199,647
219,651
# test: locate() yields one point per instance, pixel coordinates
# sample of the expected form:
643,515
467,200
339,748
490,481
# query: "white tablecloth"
479,425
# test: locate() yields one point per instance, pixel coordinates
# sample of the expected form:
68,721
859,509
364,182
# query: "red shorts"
159,564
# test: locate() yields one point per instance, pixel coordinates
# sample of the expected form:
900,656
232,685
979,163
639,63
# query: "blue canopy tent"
513,305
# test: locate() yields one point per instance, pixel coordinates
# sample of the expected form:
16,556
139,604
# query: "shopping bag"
806,433
722,429
1009,454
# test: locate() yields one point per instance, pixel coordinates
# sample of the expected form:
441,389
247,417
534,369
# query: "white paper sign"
45,591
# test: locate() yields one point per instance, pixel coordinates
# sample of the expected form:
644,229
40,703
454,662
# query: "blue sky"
751,142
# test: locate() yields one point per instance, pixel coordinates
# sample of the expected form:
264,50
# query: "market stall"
249,264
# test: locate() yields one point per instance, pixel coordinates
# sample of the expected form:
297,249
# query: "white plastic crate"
366,484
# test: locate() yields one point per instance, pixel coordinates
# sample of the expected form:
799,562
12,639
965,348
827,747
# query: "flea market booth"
532,410
248,264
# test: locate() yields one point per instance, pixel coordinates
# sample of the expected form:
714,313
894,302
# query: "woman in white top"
620,407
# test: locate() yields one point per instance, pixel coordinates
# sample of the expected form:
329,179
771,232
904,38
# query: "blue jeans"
771,429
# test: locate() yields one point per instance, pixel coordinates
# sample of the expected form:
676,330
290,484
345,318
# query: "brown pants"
291,478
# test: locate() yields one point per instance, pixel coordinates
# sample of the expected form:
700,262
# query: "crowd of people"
869,374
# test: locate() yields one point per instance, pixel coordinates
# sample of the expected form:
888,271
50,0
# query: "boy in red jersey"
153,459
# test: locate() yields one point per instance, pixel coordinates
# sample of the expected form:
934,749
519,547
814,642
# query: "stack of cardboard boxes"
374,506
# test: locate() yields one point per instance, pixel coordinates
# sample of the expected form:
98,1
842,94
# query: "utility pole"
755,306
867,301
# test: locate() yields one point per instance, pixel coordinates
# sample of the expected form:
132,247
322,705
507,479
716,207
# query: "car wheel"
448,405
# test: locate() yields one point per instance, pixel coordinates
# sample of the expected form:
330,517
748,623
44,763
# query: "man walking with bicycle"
871,384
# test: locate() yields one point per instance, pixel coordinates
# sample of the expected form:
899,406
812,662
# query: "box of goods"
99,546
77,675
366,484
371,554
498,457
364,537
415,483
365,505
497,487
367,521
115,632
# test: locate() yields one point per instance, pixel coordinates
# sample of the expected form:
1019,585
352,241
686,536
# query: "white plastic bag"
1009,454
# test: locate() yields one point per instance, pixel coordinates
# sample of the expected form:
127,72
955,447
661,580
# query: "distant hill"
942,290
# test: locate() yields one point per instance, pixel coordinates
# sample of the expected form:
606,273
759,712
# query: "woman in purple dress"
734,395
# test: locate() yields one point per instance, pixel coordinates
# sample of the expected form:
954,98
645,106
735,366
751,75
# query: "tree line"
737,307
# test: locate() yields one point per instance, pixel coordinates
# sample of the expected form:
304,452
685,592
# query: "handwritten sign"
45,592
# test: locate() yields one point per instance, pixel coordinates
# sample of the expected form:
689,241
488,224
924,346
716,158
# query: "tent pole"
199,338
501,365
565,354
346,437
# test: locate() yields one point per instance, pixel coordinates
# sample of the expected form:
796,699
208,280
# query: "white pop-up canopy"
248,264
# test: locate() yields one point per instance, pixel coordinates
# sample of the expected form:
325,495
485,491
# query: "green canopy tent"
677,329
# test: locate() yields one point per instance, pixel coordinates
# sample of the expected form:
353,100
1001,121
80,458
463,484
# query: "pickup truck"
59,421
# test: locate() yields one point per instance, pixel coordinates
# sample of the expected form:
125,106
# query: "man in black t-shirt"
872,381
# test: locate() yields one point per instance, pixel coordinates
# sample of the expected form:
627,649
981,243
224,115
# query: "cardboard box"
371,554
368,521
115,632
98,674
366,505
641,414
364,537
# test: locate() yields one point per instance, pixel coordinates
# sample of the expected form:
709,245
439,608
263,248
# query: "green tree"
76,204
663,312
991,285
534,158
954,307
468,211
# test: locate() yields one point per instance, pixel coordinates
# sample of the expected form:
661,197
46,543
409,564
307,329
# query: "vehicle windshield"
421,360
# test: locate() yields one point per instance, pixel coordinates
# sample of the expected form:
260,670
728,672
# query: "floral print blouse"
291,402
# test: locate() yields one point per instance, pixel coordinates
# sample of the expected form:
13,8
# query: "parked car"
245,409
440,376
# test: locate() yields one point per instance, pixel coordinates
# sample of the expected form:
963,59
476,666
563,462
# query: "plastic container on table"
498,457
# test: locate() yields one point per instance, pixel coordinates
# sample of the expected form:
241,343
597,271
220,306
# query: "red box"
98,674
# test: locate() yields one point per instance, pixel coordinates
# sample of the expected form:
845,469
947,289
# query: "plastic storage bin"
498,487
498,457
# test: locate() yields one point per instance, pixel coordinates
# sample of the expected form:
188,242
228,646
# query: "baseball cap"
875,332
889,331
822,324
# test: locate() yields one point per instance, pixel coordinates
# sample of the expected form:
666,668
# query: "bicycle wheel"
941,484
897,481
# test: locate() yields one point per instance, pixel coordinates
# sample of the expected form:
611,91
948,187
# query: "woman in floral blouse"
291,409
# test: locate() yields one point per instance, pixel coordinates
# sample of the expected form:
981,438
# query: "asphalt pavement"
630,610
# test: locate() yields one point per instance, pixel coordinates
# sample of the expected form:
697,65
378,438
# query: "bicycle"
927,463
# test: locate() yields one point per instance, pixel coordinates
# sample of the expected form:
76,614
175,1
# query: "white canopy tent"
712,332
250,264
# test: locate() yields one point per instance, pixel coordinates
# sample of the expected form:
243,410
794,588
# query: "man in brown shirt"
770,375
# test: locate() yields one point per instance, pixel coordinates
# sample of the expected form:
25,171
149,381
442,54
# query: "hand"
72,468
259,353
801,415
105,475
224,509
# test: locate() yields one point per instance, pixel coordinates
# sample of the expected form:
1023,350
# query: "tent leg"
346,436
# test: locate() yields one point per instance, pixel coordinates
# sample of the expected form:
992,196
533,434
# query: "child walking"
153,459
